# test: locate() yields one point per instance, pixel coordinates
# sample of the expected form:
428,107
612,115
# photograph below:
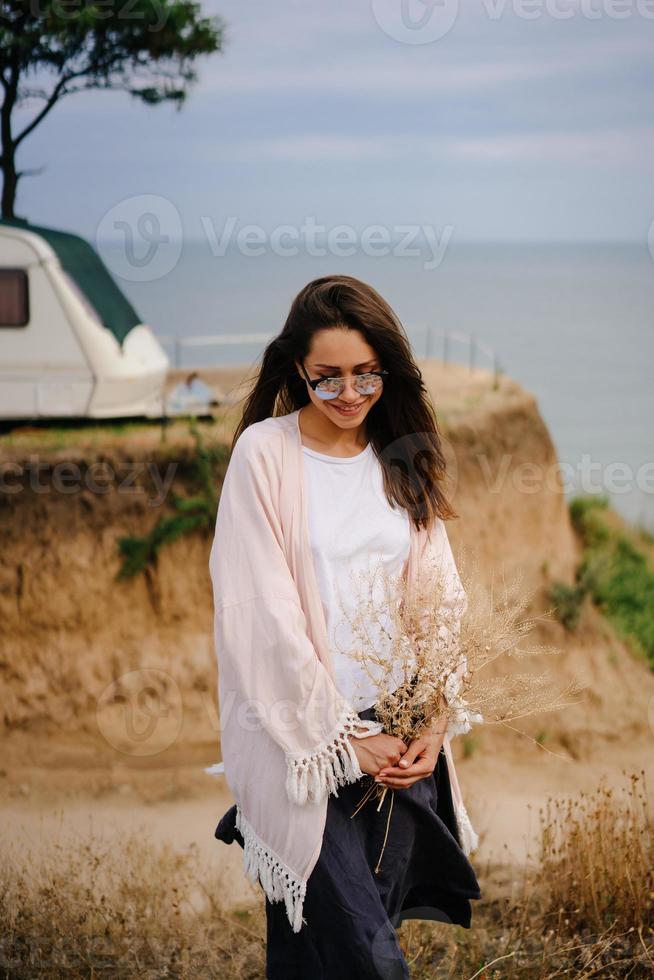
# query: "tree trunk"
8,159
9,183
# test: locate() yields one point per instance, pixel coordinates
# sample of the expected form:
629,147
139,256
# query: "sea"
572,322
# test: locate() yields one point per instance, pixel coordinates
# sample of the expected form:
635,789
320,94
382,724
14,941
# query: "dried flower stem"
425,648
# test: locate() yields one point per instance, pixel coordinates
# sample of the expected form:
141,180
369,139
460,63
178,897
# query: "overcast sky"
521,121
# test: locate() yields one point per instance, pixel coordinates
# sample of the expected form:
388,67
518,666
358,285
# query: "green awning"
84,265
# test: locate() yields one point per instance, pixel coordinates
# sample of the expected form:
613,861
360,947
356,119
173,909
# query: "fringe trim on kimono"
467,833
311,778
277,880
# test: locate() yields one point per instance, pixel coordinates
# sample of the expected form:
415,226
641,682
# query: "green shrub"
192,514
625,593
618,577
586,517
568,600
581,507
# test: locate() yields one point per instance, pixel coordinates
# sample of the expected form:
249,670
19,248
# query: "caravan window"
14,306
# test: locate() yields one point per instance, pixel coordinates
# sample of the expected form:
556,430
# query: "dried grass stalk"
441,636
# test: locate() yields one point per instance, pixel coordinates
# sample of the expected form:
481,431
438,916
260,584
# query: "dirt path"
182,806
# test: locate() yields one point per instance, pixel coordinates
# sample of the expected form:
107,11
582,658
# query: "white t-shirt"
353,531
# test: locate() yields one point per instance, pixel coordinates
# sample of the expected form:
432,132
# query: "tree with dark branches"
53,48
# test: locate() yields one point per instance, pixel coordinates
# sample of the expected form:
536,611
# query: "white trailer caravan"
71,345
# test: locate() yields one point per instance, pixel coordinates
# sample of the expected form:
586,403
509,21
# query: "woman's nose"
349,384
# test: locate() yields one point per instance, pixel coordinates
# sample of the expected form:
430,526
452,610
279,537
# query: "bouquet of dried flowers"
440,634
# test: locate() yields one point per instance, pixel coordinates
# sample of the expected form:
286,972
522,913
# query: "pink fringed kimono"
284,725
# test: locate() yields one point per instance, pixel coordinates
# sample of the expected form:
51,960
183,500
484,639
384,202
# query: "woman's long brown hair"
401,425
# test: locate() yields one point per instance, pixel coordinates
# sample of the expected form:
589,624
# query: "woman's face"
343,353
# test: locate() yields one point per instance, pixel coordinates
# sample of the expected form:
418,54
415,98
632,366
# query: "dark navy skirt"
350,910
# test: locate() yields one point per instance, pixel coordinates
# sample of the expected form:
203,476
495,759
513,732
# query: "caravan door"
43,369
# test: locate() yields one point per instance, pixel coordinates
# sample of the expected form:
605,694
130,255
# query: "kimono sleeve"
266,659
440,560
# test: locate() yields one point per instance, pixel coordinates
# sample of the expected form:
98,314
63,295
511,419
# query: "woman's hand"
418,762
377,752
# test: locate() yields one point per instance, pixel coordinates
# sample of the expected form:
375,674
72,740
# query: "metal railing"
468,341
439,343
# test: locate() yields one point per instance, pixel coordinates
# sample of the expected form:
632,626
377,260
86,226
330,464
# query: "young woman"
336,467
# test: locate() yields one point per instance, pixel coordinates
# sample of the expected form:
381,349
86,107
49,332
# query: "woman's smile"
348,410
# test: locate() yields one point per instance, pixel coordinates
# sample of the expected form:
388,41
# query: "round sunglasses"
365,384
